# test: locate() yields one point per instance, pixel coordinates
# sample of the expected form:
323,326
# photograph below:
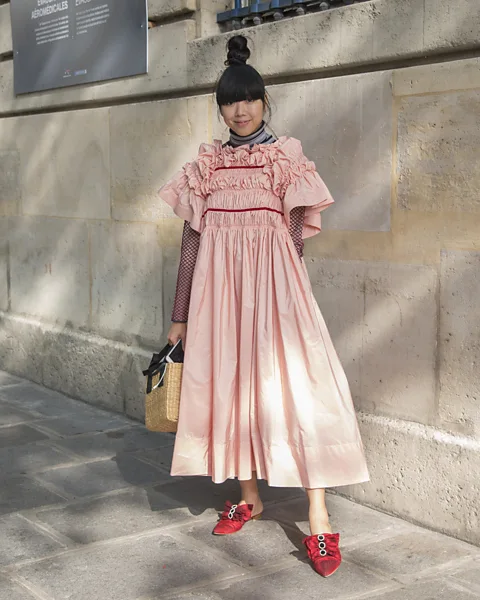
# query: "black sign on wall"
59,43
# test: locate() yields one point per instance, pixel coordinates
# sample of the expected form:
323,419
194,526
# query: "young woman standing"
264,395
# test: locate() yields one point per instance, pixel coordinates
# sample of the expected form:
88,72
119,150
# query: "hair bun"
238,52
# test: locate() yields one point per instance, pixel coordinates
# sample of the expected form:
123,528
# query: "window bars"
254,12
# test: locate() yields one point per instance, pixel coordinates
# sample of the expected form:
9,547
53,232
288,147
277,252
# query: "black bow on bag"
158,364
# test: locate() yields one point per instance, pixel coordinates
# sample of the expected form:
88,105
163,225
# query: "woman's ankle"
255,500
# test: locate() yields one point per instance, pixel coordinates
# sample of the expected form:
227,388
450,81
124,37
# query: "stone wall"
385,98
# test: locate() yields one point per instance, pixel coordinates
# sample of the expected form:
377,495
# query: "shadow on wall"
90,245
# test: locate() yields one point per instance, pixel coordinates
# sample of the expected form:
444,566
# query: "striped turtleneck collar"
257,137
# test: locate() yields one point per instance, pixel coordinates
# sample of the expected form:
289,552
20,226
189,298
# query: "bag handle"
158,364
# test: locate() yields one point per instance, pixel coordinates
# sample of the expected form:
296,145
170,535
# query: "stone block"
21,493
19,340
420,474
438,137
10,197
109,443
49,270
365,33
97,370
439,589
103,476
131,512
94,369
149,143
437,77
411,553
126,263
64,163
22,541
4,265
459,346
169,8
206,17
295,47
30,458
344,121
6,45
149,566
398,28
167,73
399,341
17,435
449,26
339,290
382,318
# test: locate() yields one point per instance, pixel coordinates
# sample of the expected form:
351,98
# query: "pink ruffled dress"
263,388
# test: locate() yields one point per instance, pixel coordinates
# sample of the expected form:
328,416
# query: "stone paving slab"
11,591
22,541
10,415
103,476
29,458
411,553
17,435
83,423
47,403
430,590
258,544
107,444
142,567
356,522
91,512
301,582
469,578
131,511
20,493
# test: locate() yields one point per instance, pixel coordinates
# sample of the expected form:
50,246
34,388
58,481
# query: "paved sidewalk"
88,511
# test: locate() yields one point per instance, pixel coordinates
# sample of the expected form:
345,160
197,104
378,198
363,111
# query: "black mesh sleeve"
188,259
297,217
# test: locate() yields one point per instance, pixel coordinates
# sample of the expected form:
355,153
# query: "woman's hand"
177,331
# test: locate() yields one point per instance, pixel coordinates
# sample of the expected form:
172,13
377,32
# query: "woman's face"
244,117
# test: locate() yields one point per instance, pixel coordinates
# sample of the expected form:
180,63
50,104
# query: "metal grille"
246,13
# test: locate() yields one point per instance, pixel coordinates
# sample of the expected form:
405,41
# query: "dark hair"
240,81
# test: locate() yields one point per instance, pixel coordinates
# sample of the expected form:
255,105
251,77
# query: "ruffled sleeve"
184,192
303,186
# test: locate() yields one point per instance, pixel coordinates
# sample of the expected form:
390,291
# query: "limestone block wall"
88,254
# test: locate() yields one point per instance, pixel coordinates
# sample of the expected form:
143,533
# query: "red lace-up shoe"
323,551
233,518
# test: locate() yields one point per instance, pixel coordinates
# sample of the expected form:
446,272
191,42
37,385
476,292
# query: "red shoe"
323,552
233,518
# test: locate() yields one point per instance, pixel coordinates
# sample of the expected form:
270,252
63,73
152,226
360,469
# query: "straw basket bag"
164,380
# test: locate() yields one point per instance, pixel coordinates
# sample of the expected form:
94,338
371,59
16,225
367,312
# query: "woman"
264,395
